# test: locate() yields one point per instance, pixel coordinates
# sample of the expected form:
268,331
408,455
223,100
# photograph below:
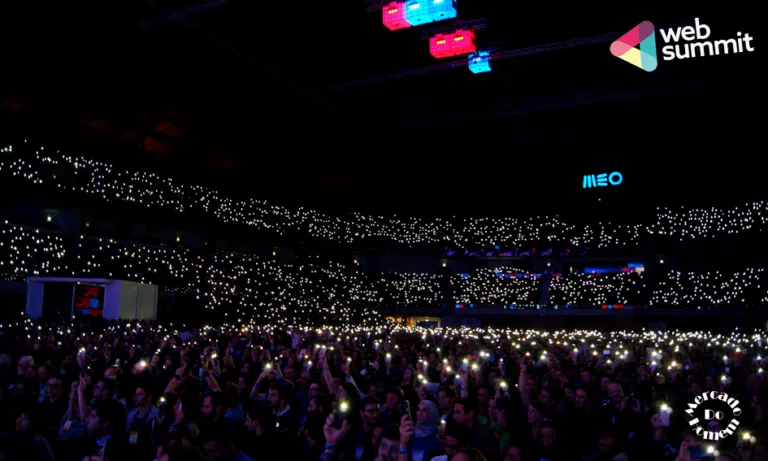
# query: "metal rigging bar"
498,56
374,5
452,24
181,14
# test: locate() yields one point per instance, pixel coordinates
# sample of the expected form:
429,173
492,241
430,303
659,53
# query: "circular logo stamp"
714,415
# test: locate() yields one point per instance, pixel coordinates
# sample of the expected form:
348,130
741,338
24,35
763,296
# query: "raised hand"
406,431
81,385
332,434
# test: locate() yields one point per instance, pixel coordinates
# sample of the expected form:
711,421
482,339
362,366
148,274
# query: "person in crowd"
425,435
370,417
392,410
465,414
54,406
140,423
468,454
455,439
106,424
446,397
259,441
27,442
219,445
137,391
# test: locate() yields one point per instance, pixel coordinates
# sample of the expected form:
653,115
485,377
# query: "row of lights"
152,191
249,285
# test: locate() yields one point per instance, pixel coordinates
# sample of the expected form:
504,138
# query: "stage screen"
89,300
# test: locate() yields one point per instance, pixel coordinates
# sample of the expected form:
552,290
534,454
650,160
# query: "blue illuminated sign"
602,180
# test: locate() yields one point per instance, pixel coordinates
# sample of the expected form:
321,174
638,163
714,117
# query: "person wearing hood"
425,432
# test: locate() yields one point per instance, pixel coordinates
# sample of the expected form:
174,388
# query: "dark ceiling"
316,103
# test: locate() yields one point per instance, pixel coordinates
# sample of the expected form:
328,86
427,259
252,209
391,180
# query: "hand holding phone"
664,415
406,429
341,414
406,409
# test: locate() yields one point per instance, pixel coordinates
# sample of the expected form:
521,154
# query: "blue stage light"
480,62
440,10
417,12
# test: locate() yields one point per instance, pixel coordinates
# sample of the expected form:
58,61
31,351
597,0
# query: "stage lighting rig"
480,62
455,38
393,16
402,14
457,43
375,5
496,55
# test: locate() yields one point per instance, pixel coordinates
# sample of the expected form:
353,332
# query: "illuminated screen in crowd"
89,300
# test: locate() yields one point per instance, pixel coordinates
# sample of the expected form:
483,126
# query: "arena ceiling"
317,104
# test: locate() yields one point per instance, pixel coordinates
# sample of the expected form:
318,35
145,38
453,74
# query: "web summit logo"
638,46
718,411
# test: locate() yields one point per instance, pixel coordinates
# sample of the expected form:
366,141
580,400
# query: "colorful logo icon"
644,57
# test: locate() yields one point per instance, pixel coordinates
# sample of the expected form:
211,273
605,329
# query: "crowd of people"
618,288
498,252
713,287
102,391
271,291
305,369
504,286
49,168
245,281
410,289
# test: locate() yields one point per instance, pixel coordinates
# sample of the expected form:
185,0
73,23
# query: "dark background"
319,105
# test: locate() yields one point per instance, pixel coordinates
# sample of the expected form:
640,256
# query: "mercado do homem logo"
714,407
638,46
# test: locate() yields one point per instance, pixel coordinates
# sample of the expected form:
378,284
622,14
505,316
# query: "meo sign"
602,180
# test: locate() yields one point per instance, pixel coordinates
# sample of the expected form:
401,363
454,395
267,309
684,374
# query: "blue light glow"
417,12
602,180
442,9
480,62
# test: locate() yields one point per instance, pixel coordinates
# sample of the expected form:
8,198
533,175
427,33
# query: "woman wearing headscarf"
425,436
